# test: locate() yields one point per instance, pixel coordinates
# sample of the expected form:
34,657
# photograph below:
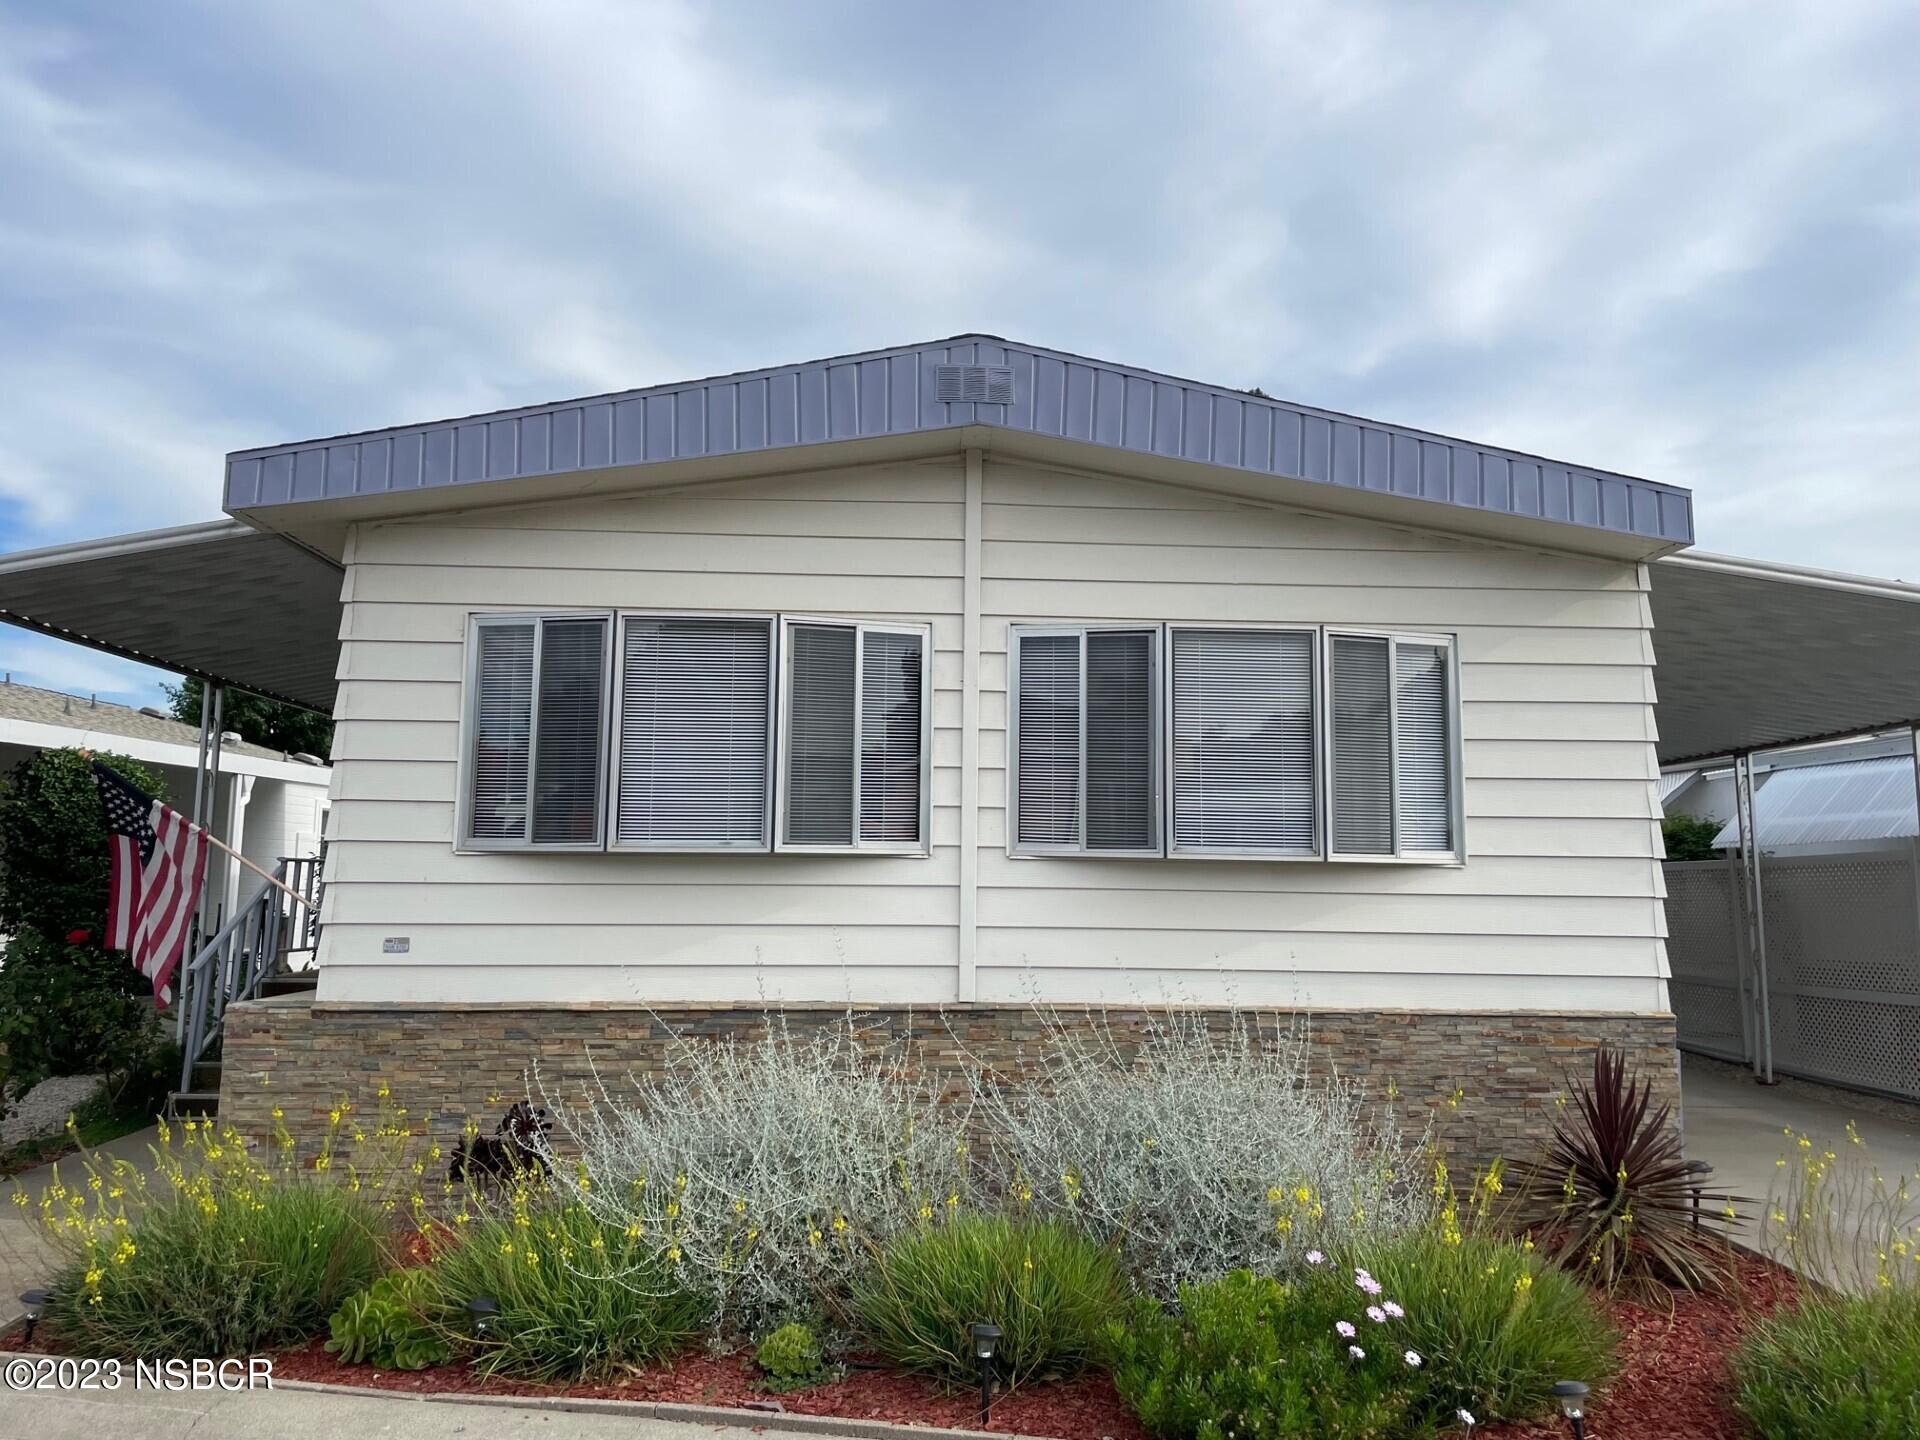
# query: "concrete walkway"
1735,1124
26,1262
288,1414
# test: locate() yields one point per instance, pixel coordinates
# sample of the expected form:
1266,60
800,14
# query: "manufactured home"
944,682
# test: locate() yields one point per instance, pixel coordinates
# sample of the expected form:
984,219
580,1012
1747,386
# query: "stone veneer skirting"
469,1061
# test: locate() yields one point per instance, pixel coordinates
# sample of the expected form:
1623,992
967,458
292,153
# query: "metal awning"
219,600
1751,655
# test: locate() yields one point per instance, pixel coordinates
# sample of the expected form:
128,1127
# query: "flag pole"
267,876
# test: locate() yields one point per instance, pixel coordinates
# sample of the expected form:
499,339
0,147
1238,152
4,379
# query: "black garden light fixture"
36,1303
482,1309
1572,1396
986,1339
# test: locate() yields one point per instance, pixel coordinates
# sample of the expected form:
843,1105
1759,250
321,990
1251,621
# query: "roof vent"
301,757
154,712
973,384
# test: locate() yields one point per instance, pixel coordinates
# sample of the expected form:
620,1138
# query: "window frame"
783,691
1449,643
1317,712
465,842
610,824
1156,739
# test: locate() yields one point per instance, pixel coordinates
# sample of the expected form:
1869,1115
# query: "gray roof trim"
891,392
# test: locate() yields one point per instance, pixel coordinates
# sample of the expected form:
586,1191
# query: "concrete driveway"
1736,1125
313,1414
26,1262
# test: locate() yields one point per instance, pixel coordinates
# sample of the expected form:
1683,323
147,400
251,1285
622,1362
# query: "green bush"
790,1359
68,1006
1255,1359
579,1299
1495,1323
1050,1289
397,1323
226,1259
1834,1369
1690,837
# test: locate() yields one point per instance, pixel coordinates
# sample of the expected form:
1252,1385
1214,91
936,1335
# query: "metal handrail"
232,965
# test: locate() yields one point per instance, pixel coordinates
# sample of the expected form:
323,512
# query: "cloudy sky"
1689,249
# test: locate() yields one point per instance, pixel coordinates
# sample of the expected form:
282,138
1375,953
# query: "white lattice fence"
1843,965
1703,950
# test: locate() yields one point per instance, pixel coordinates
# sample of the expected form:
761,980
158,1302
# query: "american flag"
159,859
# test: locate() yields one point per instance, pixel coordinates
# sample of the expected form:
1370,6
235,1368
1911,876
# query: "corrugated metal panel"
892,392
1674,780
1826,804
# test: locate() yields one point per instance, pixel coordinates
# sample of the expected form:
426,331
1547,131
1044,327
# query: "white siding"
1557,908
878,543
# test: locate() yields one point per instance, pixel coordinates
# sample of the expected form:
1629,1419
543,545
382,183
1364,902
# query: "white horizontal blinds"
502,730
1048,738
892,668
1120,770
693,732
568,739
1243,741
1423,768
1362,747
818,757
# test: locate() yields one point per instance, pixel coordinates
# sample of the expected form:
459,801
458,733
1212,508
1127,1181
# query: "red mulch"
1083,1409
1673,1382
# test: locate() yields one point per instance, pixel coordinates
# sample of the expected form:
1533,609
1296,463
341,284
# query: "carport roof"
1754,655
218,600
1751,655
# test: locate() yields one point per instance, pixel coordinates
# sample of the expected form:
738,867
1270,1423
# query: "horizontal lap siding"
1559,903
883,543
1558,907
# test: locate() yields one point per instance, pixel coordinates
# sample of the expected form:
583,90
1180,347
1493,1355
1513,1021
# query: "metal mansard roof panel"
985,381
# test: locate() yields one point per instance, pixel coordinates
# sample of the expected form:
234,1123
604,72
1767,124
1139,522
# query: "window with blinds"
1393,743
694,746
536,731
1244,776
1085,733
854,737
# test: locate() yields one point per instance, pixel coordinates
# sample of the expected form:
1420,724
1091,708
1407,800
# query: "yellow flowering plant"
227,1247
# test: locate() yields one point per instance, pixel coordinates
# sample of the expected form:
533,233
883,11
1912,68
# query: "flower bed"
1674,1382
791,1227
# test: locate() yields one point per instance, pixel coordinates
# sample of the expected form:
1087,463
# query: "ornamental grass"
578,1298
221,1253
1050,1289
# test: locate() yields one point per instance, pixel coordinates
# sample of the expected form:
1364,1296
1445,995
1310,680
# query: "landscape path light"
986,1339
1572,1396
36,1303
483,1309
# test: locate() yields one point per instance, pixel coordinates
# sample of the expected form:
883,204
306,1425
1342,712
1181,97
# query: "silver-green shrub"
1200,1149
767,1171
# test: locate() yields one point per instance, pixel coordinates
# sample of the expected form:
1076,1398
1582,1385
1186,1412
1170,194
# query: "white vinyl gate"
1838,993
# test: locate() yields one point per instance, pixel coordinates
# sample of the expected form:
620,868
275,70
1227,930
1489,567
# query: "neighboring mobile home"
267,804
